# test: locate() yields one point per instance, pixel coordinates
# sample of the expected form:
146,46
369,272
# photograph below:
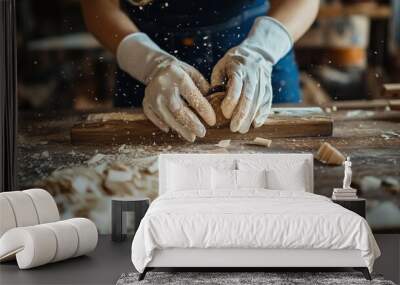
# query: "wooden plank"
391,90
135,129
369,9
375,104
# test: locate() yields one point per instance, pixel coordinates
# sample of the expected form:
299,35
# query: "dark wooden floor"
110,259
103,266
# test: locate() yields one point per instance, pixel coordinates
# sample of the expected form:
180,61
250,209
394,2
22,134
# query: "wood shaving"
81,190
391,185
123,149
45,154
218,150
329,155
261,142
224,143
119,175
100,169
153,168
116,116
96,158
359,114
391,133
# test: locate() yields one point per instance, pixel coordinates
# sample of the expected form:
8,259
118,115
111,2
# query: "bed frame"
242,259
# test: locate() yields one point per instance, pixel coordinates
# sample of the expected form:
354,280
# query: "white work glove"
246,69
167,80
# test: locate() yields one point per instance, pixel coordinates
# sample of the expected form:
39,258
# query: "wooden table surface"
370,138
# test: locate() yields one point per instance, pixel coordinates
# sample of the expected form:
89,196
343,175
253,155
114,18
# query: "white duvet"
253,218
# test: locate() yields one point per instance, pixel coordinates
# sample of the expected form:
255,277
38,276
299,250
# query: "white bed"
280,226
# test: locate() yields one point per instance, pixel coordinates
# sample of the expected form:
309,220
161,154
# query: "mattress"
250,219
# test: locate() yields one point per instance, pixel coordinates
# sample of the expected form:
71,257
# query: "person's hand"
246,70
170,86
165,107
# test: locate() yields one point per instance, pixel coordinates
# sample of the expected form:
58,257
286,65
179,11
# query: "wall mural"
74,142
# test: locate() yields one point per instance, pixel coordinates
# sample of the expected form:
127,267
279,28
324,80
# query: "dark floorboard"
102,266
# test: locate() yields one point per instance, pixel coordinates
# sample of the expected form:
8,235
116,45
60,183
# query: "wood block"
329,155
136,129
285,122
215,101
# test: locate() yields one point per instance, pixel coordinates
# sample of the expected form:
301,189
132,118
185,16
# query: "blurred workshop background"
350,52
350,55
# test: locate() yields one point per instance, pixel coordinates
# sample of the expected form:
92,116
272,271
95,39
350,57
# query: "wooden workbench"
44,146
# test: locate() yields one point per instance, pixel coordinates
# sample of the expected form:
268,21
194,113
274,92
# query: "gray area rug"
233,278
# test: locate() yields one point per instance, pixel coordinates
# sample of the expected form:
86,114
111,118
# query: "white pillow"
282,174
251,178
280,180
223,179
184,177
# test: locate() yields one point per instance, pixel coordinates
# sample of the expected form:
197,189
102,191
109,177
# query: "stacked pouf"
31,232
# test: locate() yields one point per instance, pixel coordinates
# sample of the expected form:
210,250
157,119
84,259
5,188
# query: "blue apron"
199,33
